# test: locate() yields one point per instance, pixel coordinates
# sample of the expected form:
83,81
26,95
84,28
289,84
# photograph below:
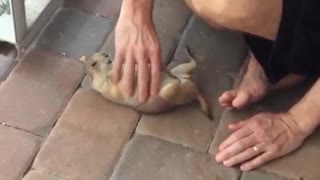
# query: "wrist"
138,10
307,119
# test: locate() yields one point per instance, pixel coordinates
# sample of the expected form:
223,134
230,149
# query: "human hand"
137,45
260,139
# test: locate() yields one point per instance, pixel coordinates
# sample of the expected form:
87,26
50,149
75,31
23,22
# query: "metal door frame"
20,35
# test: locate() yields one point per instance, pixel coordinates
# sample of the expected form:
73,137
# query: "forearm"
307,111
139,10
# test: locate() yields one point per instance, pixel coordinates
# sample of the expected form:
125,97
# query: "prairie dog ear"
83,59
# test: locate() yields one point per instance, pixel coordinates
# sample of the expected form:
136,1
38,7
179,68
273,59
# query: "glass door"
22,20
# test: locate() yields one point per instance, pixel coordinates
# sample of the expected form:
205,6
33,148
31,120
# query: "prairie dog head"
98,66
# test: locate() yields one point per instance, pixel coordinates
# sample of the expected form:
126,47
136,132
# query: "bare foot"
255,86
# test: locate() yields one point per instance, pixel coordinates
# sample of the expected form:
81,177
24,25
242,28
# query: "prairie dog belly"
173,92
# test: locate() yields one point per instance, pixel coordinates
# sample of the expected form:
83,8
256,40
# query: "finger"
236,148
155,73
117,67
143,78
236,126
128,75
258,161
237,135
226,98
241,100
249,153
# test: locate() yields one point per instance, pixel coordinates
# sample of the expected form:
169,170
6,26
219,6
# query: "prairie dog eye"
106,55
94,64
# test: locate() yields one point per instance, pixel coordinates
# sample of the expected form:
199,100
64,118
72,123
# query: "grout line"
20,129
86,12
108,176
45,138
240,176
135,128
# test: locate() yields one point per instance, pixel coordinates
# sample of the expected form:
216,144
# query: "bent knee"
229,13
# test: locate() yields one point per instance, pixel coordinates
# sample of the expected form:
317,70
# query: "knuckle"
236,136
276,148
234,159
227,154
140,50
154,48
258,125
155,72
259,161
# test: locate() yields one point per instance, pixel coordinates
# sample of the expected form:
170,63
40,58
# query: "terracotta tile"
228,117
37,90
284,99
302,163
146,158
187,125
219,55
104,8
219,50
74,33
255,175
88,138
17,151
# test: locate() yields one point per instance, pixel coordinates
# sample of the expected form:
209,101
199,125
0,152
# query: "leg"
258,17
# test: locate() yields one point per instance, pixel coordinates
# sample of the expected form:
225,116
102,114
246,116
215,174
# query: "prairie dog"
177,86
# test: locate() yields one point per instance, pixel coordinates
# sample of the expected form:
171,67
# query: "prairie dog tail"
185,68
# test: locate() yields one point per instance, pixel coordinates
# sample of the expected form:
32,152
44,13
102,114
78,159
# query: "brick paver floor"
52,127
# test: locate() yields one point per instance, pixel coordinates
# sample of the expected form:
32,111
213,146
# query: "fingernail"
244,168
226,163
218,158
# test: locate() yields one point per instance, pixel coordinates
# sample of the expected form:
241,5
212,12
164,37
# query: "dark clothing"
296,48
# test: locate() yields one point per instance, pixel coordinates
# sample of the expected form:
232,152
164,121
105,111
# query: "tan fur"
177,86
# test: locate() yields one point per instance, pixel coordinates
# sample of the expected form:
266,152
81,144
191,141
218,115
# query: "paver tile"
74,33
219,55
187,125
36,175
169,29
220,50
284,99
104,8
6,65
88,138
37,89
17,150
303,162
146,158
258,175
229,116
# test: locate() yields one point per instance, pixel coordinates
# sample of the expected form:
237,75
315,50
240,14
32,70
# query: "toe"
226,98
241,100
